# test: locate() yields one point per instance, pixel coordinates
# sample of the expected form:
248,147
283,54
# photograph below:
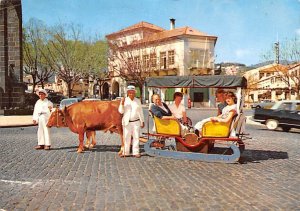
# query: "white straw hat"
130,88
43,91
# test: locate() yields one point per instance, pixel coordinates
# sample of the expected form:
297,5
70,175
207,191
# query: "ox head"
57,118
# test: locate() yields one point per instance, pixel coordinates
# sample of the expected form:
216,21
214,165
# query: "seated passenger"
227,113
221,100
177,109
160,109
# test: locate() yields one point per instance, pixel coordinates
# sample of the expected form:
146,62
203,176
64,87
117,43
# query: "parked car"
69,101
263,104
284,114
56,97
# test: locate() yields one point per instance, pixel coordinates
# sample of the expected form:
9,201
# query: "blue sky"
245,28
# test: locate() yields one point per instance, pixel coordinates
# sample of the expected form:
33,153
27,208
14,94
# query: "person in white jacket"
41,114
132,121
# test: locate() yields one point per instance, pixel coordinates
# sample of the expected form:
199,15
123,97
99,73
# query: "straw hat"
42,91
130,88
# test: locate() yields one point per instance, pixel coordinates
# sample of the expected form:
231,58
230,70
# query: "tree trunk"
69,89
142,93
33,86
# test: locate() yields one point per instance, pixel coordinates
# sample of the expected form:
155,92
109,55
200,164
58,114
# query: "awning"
217,81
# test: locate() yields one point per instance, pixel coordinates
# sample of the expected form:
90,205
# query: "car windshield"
67,102
282,106
276,105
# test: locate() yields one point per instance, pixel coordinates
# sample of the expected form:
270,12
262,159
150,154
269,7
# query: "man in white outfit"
41,114
132,121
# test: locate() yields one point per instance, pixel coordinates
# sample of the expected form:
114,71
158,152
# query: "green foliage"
63,49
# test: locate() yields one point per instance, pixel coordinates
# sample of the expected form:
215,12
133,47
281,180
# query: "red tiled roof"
160,33
179,32
139,25
274,68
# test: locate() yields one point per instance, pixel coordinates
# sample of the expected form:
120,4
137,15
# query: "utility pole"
276,48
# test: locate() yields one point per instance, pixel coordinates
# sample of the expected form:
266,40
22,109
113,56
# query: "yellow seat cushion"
167,126
216,129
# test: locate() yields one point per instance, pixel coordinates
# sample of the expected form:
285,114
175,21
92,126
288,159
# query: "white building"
177,51
272,82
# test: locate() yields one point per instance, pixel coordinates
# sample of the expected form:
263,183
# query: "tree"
98,63
34,52
289,50
72,57
134,62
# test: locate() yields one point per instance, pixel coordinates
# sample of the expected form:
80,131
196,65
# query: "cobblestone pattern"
62,179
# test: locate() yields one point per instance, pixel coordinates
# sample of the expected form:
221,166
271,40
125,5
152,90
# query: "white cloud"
298,30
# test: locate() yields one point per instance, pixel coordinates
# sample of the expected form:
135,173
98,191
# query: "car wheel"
272,124
286,129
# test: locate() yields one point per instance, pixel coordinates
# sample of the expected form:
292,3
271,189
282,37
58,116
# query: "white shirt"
177,111
132,111
227,109
41,107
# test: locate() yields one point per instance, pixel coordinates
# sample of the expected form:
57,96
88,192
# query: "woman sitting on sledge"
162,111
227,113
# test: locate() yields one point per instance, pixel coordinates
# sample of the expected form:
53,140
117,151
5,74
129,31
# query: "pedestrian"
41,114
132,121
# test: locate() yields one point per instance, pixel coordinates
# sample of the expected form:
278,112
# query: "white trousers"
200,124
43,132
132,129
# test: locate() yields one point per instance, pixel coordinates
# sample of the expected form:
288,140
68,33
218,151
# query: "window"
171,55
199,58
261,75
137,61
298,107
146,60
163,60
130,63
285,106
153,60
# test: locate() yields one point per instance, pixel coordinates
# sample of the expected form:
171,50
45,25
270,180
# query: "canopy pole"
239,99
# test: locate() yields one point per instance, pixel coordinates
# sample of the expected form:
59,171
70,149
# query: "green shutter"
138,92
169,94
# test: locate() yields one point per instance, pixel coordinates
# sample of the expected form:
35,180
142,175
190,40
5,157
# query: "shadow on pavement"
249,155
258,155
97,148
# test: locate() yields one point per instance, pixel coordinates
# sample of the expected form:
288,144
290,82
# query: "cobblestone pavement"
62,179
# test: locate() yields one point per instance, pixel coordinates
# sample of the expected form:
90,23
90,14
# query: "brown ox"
87,116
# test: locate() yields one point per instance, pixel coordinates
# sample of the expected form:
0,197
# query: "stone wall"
11,74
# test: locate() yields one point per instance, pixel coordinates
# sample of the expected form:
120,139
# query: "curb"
8,126
15,121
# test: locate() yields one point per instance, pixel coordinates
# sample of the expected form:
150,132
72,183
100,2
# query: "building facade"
160,52
274,82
